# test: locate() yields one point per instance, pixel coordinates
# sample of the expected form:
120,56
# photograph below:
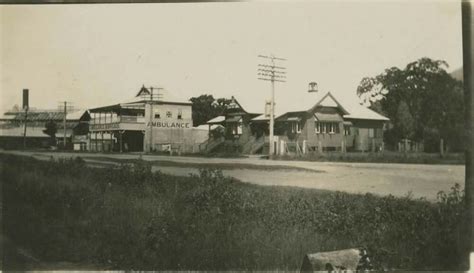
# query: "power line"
272,73
151,95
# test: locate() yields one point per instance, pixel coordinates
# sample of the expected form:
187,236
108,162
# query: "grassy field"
380,157
130,218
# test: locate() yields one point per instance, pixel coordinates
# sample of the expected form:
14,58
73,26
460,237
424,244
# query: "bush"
380,157
133,218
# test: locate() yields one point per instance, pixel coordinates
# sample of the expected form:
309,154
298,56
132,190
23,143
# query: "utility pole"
66,106
271,72
64,123
158,96
25,107
468,47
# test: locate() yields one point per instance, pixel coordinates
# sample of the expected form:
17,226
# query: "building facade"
146,124
12,129
330,126
327,125
240,134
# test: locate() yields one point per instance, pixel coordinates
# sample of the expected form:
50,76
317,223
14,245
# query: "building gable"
234,108
331,114
328,101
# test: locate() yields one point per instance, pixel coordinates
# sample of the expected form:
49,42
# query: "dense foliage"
133,218
423,102
206,107
51,130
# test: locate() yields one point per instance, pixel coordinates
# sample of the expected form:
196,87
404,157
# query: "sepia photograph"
272,136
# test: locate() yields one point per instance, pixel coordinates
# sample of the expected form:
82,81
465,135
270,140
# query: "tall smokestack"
25,98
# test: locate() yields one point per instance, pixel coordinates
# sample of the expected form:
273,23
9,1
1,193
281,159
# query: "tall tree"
206,107
432,97
203,109
51,130
404,121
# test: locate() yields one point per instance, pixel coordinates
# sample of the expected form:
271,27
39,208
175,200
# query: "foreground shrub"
132,218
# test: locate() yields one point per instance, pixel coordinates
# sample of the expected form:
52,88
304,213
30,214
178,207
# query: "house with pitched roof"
326,125
329,125
236,122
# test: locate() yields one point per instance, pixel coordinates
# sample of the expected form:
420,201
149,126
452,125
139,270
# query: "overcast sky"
94,55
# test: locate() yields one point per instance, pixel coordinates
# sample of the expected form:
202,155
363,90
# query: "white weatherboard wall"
168,128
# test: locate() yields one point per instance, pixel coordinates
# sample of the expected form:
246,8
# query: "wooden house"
330,126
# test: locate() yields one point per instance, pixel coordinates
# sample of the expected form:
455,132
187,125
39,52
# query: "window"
331,128
180,114
139,118
371,132
157,115
236,128
326,128
295,127
347,130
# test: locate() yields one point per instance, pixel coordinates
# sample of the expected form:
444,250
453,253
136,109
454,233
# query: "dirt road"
378,178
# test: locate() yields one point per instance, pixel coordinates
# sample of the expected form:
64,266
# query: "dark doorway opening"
132,141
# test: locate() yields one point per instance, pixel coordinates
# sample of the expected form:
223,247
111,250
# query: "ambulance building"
149,123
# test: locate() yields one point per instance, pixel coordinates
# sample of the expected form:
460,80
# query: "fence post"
441,147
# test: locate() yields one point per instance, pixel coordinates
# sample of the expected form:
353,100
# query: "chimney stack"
25,99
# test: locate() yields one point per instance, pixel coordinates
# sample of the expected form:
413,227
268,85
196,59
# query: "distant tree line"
423,102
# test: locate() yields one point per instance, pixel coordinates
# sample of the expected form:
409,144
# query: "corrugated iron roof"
328,117
217,119
42,116
350,105
76,115
261,117
19,131
362,112
234,119
205,127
